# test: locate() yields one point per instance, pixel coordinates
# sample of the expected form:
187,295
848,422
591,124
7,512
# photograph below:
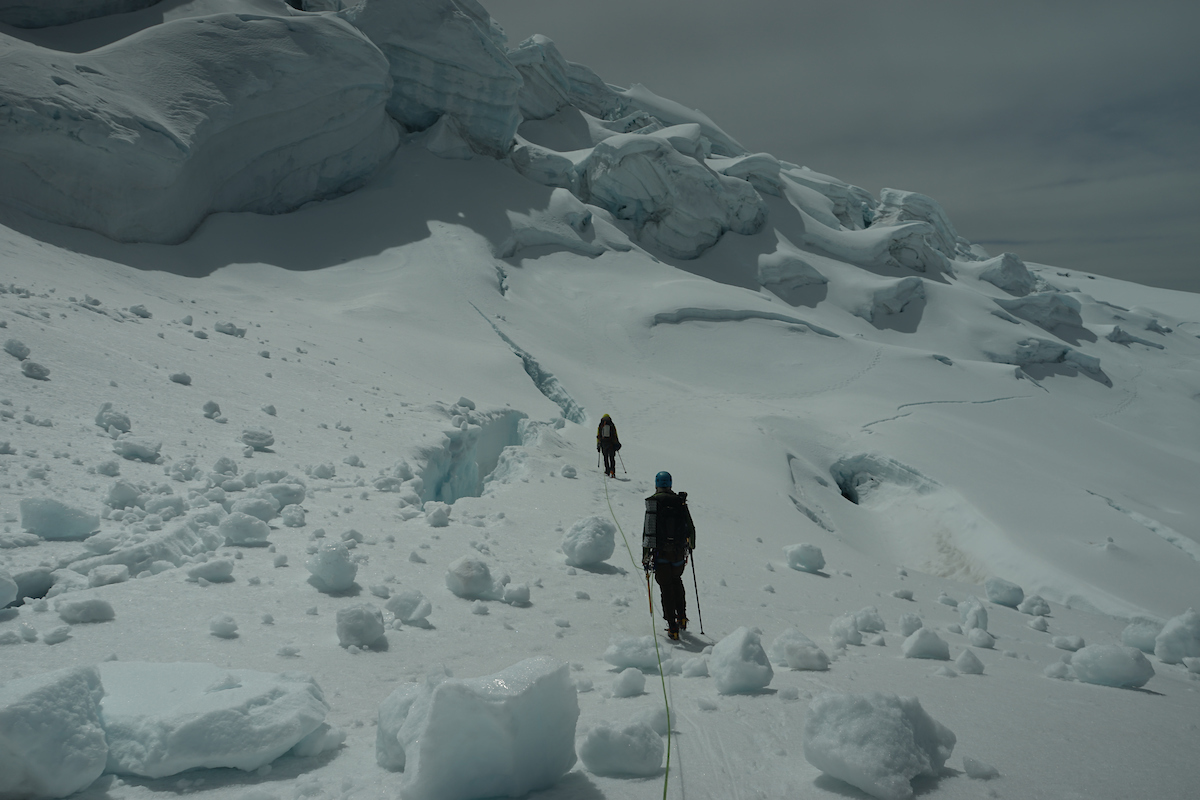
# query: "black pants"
674,602
610,458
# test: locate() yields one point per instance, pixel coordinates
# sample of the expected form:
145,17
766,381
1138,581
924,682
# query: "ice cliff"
141,139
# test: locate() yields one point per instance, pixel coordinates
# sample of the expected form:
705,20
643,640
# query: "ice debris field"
308,315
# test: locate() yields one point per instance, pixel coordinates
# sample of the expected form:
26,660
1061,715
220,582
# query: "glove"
597,447
648,564
618,447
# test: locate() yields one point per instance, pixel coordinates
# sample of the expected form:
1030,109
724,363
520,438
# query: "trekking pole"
697,588
597,459
622,463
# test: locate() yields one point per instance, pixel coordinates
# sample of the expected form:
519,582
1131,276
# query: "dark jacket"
668,533
611,440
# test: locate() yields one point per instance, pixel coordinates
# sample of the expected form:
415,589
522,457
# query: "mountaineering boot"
683,621
673,634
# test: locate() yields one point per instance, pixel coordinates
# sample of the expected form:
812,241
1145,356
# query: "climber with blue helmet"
668,536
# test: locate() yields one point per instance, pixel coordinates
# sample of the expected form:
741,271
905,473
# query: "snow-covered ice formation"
409,606
924,643
471,579
1004,593
1141,632
53,519
630,682
631,651
359,626
162,719
805,557
629,751
589,541
447,59
332,568
673,201
876,742
793,649
142,139
973,613
1112,665
52,744
968,663
738,663
1179,638
506,734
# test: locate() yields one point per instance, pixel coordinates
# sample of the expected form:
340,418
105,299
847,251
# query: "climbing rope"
653,634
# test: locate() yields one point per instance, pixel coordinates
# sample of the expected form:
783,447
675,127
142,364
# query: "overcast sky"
1066,131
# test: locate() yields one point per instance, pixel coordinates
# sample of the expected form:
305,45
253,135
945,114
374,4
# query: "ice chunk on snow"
106,418
629,683
978,770
804,557
223,626
409,606
137,448
55,520
1141,633
978,637
844,631
8,589
792,648
869,620
215,570
245,530
92,609
1003,593
909,622
506,734
471,579
739,664
1179,638
331,568
589,541
51,740
876,742
108,145
631,751
389,752
162,719
632,652
972,613
924,643
1035,606
360,625
1112,665
1071,643
968,663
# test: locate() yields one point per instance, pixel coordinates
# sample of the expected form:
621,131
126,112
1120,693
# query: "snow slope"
887,398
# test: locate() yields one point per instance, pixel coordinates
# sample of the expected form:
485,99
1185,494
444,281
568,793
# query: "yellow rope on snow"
653,634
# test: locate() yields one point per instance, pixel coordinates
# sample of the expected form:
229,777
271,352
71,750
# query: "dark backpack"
666,526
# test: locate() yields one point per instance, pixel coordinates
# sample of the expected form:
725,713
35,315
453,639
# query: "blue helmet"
662,480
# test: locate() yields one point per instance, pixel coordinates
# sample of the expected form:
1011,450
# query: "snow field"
368,341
